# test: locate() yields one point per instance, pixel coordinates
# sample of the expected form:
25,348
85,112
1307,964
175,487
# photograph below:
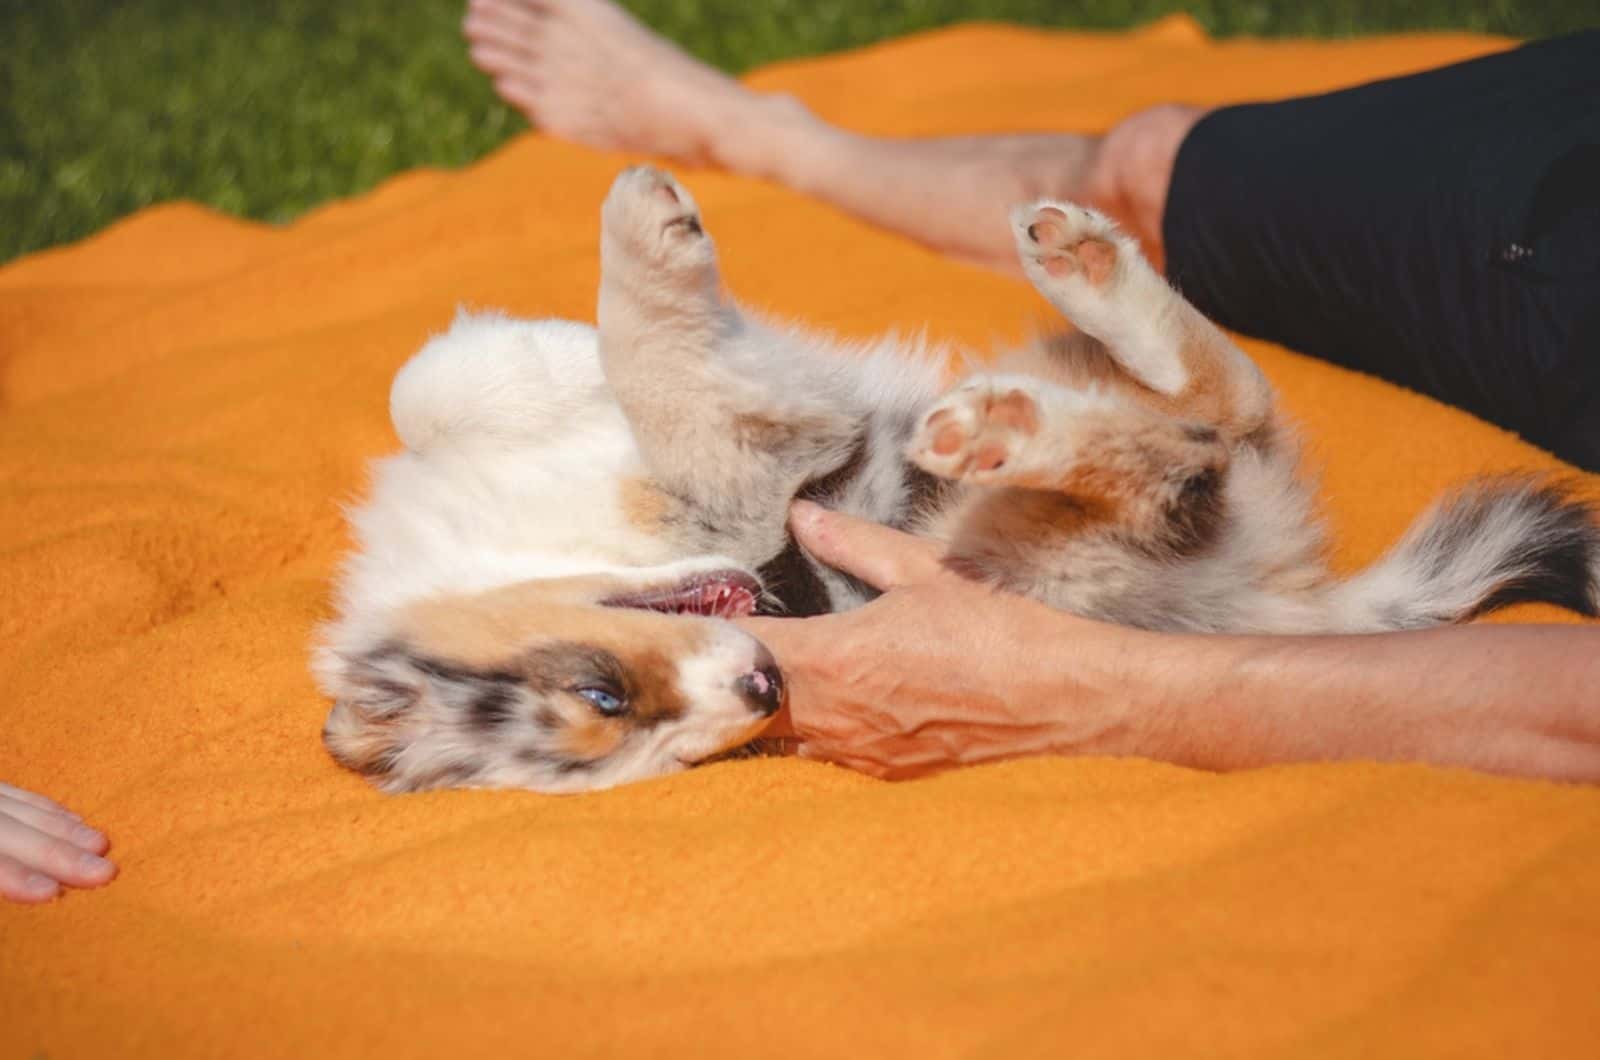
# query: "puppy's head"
560,685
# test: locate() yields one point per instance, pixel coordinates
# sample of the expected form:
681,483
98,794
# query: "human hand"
942,671
43,846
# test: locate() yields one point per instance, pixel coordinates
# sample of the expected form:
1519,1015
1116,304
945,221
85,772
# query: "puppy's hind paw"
1062,240
648,212
976,432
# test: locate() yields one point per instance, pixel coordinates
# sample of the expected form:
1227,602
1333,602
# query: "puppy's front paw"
649,213
976,431
1062,240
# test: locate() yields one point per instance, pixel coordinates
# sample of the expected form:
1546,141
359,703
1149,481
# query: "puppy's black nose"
762,689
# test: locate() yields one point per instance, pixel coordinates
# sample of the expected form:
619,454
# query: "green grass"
267,108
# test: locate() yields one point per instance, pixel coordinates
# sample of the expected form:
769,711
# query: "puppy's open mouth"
714,594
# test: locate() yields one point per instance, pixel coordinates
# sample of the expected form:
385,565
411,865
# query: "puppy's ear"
374,694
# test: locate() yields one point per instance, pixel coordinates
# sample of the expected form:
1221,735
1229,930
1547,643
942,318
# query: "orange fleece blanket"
186,400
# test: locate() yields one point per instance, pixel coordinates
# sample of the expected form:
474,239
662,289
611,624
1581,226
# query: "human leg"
585,70
1440,230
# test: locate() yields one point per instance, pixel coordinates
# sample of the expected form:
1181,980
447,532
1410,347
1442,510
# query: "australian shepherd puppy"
540,590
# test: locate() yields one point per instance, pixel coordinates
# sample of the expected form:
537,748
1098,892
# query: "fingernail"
91,865
805,513
34,883
86,836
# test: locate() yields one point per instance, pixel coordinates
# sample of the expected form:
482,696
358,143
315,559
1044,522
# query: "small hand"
43,846
939,671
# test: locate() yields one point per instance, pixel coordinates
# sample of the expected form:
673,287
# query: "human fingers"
56,823
880,556
33,798
51,856
21,883
902,764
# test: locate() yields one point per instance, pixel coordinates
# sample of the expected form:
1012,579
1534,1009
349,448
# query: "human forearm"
1519,700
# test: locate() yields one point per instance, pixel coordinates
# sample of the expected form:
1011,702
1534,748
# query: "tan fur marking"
656,692
590,738
643,504
1129,464
764,433
1072,359
489,629
1019,522
1221,391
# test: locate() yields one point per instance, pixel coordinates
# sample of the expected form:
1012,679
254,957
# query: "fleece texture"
185,401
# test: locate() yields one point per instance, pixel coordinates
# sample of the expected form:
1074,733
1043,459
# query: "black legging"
1441,230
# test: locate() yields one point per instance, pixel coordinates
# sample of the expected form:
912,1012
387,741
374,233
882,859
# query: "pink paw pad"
990,455
1098,259
948,436
1052,231
1016,411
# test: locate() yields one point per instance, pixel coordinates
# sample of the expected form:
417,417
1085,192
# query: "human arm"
941,672
44,846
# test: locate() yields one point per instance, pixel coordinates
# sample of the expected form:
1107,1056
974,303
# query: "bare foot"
586,71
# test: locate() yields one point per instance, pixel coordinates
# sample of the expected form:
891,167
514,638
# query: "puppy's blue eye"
608,703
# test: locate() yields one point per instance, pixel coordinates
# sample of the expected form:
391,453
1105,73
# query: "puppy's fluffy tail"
1492,544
